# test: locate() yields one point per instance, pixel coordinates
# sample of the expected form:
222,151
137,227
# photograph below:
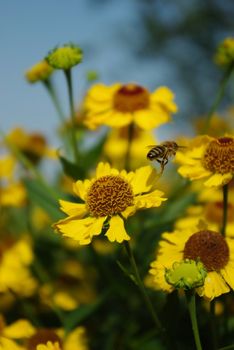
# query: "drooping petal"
148,119
73,209
81,230
193,172
119,119
164,97
101,92
8,344
19,329
144,179
214,286
218,180
116,231
149,200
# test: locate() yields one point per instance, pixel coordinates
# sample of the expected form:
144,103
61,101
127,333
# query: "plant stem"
129,144
225,209
50,88
68,76
141,287
190,296
213,324
218,97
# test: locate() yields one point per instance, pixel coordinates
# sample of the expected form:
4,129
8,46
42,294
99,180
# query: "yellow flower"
14,267
109,198
116,145
39,72
208,157
33,145
13,195
119,105
211,248
7,166
225,52
49,346
18,330
65,57
50,339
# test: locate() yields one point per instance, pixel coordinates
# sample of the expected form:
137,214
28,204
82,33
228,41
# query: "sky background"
106,31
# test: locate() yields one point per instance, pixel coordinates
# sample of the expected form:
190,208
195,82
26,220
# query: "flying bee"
162,152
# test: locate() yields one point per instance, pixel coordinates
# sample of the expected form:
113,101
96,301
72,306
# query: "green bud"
65,57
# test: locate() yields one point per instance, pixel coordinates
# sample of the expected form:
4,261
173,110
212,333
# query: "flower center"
42,336
131,98
208,246
219,155
109,195
214,212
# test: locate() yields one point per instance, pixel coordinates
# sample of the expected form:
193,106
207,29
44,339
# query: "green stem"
68,76
213,324
190,296
225,209
228,347
50,88
129,140
218,97
141,287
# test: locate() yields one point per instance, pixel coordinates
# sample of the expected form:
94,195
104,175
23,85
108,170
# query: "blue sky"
29,29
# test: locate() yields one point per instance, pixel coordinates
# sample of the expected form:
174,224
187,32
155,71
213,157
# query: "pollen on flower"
219,155
108,196
208,246
131,98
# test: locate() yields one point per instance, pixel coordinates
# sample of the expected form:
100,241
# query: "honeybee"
162,152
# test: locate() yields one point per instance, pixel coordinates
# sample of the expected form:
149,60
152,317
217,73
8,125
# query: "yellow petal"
119,119
80,188
81,230
149,119
144,179
152,199
164,97
104,169
158,271
73,209
76,340
193,172
7,344
101,92
116,231
214,286
218,180
19,329
49,346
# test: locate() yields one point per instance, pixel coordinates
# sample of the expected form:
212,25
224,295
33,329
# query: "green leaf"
71,169
40,194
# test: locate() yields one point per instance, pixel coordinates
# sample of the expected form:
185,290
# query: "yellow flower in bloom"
14,267
16,331
65,57
39,72
225,52
208,157
116,145
50,339
119,105
211,248
13,195
49,346
7,165
109,198
33,145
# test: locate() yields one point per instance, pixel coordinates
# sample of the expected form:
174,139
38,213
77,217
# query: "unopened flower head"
39,72
225,52
65,57
186,274
109,198
119,105
208,247
208,157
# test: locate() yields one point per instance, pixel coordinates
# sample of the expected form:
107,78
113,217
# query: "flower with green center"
39,72
208,157
65,57
186,274
109,198
215,252
225,52
119,105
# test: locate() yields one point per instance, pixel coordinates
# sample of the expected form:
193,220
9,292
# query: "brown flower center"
219,155
208,246
214,212
131,98
35,148
109,195
42,336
